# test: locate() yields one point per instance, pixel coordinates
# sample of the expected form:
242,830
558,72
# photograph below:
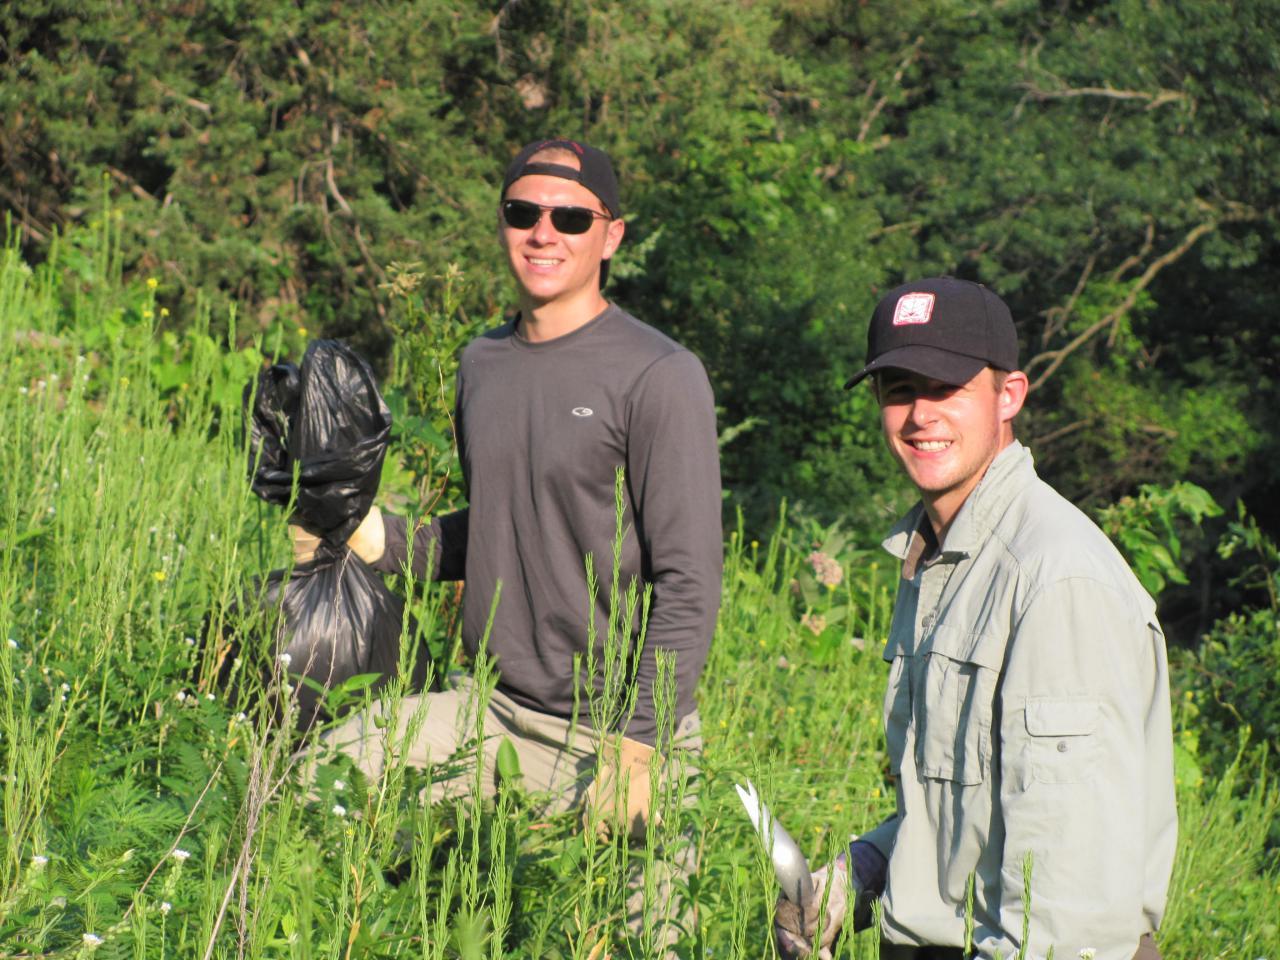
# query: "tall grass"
147,816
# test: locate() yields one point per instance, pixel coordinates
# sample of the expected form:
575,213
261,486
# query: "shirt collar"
912,540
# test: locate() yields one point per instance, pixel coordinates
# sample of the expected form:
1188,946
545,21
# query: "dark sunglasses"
523,215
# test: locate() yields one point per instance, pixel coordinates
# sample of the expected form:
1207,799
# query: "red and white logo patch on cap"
913,308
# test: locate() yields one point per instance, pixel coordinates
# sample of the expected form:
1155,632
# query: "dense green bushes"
1110,167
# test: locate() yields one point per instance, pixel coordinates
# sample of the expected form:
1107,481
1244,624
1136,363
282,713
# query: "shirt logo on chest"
582,411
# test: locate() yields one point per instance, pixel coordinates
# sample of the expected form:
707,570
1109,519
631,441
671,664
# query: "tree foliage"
1109,167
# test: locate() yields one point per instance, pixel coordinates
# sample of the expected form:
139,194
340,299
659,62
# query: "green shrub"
1228,683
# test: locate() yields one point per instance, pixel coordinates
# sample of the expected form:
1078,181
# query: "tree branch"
1154,100
1056,317
912,54
169,91
134,187
1053,359
1048,438
1128,263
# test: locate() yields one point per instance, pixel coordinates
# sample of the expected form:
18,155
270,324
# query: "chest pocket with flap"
953,695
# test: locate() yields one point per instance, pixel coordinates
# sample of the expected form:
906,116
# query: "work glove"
368,542
619,796
803,932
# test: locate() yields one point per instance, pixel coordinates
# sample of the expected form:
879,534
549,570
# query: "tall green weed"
146,816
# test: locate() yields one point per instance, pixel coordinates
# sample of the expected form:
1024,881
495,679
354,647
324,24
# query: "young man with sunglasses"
551,405
1027,713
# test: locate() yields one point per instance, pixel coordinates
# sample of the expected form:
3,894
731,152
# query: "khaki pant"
557,761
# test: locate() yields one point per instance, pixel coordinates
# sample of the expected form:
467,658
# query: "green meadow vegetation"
147,815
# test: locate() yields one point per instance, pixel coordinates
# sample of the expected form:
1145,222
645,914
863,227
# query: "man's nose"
923,412
543,230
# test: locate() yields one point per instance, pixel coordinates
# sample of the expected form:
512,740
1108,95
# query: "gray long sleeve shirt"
1027,715
542,428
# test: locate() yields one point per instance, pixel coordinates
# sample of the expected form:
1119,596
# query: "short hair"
556,155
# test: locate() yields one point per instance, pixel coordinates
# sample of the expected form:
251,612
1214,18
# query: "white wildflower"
38,861
180,855
339,810
1088,953
339,785
13,644
285,659
180,696
165,906
189,641
91,940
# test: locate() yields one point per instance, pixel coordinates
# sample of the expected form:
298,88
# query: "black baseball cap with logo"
942,328
595,170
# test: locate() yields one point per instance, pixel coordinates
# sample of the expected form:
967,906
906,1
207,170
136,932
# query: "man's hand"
812,931
305,543
368,542
619,797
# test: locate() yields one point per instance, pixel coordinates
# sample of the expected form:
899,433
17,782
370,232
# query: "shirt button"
1062,746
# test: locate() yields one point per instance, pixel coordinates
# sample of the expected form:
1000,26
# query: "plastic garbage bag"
331,618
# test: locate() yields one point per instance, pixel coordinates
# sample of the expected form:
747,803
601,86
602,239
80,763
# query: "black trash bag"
329,419
331,618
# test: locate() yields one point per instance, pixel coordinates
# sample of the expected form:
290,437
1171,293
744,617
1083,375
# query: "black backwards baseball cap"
942,328
595,173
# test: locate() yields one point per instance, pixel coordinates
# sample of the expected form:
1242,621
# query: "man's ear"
1013,394
613,237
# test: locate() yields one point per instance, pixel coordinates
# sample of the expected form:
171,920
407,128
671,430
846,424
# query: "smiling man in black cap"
1027,713
550,405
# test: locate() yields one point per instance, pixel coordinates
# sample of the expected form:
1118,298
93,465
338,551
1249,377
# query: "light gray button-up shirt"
1027,716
